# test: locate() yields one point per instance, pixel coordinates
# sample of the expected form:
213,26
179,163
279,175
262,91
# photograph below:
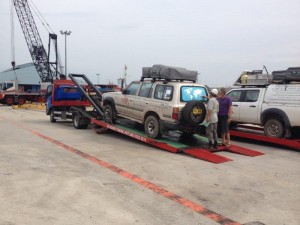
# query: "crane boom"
37,51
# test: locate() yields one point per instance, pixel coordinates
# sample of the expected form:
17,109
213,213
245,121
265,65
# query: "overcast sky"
218,38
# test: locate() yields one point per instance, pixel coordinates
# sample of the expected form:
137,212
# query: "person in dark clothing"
224,116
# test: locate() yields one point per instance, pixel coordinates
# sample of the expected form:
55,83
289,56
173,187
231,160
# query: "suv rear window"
188,93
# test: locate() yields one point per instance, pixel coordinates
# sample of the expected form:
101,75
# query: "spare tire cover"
194,112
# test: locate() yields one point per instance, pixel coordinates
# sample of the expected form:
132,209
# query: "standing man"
212,119
224,116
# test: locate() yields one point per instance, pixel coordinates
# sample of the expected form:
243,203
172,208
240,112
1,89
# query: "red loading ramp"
240,150
175,146
290,143
210,156
206,155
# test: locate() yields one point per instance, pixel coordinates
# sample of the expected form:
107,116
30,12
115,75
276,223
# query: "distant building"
25,74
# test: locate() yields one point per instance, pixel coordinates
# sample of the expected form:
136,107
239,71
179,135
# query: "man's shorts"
223,122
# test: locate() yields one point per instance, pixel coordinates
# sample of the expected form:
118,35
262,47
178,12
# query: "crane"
35,45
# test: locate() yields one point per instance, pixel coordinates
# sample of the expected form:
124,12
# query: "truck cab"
7,86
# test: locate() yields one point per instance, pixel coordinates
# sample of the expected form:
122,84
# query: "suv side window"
132,88
146,90
235,95
163,92
251,95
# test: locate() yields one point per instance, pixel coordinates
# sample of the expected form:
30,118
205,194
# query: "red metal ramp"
177,147
204,154
241,150
290,143
210,156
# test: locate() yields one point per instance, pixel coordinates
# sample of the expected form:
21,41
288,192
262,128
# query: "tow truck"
80,102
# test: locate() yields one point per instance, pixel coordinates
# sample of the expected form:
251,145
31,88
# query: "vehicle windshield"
188,93
7,85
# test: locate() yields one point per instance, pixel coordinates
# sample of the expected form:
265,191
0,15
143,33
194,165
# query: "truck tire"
9,100
109,114
194,112
152,128
52,119
80,122
21,100
274,128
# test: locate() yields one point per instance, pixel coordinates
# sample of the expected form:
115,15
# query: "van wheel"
194,112
52,119
274,128
152,128
109,114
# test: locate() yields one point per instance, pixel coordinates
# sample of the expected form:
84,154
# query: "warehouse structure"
25,74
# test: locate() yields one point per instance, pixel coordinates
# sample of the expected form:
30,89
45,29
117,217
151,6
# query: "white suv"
160,105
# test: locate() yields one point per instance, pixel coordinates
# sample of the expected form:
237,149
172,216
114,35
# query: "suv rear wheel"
152,127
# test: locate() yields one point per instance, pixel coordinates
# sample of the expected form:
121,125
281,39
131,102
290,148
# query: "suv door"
140,103
124,104
236,98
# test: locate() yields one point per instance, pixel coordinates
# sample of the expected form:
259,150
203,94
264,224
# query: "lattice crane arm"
37,51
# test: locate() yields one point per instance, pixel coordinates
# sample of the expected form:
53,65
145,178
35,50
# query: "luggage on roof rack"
291,74
169,73
254,78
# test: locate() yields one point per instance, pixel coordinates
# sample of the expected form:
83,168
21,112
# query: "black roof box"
163,72
291,74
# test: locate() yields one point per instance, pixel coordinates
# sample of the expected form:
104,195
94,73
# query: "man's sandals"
226,145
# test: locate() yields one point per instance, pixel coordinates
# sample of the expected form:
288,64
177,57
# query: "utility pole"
66,33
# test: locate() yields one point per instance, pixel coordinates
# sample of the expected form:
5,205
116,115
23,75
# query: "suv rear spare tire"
194,112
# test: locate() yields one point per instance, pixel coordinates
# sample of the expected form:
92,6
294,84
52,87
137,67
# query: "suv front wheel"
152,128
109,114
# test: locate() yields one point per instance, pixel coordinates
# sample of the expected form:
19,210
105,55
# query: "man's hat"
214,91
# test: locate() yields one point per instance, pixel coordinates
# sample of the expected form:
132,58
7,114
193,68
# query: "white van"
276,107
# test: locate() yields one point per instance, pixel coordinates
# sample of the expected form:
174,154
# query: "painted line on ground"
157,189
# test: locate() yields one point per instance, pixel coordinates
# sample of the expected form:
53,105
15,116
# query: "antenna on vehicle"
264,67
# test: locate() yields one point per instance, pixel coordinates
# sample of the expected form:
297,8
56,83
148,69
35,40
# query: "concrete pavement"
42,182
